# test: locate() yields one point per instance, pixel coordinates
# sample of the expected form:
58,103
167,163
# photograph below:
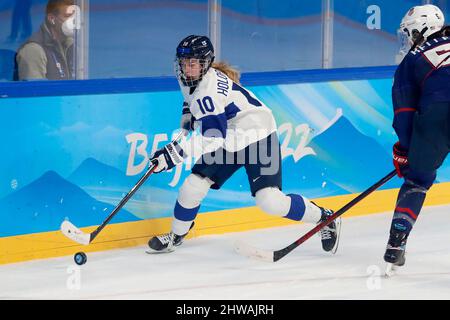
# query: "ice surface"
207,267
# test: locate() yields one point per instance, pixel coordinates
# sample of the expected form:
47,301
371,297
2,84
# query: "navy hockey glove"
400,159
167,157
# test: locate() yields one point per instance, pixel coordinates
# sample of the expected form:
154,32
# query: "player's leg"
409,204
298,208
265,178
190,196
428,149
210,172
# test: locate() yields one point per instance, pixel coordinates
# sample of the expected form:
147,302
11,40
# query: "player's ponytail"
231,72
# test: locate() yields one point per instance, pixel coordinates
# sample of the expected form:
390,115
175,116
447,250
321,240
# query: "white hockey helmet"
425,20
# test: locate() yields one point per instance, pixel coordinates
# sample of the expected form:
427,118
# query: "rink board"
76,148
54,244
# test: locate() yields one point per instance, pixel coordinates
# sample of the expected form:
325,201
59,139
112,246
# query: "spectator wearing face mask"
48,53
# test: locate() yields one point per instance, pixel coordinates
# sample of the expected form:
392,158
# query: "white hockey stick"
247,250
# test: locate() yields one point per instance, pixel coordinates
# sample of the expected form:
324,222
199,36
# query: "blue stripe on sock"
297,209
184,214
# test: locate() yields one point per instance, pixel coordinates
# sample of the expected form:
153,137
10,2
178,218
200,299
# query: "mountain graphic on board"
109,184
93,173
348,158
307,180
43,204
99,179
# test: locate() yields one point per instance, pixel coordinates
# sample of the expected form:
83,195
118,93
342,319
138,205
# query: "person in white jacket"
237,130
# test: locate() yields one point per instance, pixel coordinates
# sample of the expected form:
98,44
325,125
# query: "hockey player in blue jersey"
236,130
421,101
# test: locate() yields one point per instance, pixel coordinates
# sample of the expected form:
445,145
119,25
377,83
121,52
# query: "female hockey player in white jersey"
237,130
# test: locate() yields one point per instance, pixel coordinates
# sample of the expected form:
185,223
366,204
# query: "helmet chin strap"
419,39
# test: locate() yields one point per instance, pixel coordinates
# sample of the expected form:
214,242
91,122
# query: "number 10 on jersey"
206,104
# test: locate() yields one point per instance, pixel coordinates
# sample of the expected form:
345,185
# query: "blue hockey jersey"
421,79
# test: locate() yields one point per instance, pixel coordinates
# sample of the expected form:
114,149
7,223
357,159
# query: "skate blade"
391,270
169,249
151,251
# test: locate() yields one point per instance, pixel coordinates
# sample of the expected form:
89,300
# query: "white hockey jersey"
229,115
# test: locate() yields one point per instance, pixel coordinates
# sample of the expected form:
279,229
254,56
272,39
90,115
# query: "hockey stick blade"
255,253
75,234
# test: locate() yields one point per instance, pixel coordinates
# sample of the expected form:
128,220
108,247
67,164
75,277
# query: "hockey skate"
395,251
166,242
330,233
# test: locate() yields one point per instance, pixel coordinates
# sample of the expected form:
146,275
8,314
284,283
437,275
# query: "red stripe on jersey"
404,110
407,211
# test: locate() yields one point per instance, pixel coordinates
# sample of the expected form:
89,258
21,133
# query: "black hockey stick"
75,234
273,256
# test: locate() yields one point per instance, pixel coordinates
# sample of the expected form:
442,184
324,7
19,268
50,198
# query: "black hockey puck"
80,258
